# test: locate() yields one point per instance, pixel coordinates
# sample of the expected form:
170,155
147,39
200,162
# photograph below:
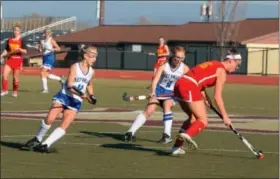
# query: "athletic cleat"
166,139
191,143
4,93
177,151
43,149
128,137
29,145
15,94
44,91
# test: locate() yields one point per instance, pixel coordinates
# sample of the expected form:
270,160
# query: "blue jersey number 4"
80,87
169,83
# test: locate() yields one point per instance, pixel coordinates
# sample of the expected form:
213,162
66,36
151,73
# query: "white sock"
54,77
139,121
42,130
55,136
45,84
167,121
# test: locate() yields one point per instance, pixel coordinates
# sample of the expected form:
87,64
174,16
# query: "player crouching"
68,101
190,91
162,91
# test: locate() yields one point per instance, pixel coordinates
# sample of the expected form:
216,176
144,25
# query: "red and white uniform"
161,59
189,87
15,61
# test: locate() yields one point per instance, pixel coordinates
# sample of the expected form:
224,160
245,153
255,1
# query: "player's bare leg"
5,83
141,119
191,118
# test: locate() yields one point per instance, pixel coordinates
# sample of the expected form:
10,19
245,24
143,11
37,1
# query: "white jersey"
47,45
80,82
170,76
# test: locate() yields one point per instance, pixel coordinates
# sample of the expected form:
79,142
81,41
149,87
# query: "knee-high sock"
45,83
167,121
42,130
195,128
54,136
15,85
54,77
5,85
186,124
139,121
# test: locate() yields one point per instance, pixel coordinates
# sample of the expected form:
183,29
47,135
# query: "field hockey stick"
32,46
126,97
91,99
257,153
4,57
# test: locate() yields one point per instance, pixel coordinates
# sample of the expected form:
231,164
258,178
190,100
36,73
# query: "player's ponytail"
84,49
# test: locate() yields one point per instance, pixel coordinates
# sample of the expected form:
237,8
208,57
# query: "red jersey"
13,44
205,73
161,50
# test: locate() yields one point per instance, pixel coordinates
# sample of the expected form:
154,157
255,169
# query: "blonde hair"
177,49
85,49
17,26
48,30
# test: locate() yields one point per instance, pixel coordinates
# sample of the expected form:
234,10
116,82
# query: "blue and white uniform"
66,97
168,79
48,54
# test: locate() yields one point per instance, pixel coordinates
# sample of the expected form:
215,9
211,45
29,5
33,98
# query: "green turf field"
239,99
94,150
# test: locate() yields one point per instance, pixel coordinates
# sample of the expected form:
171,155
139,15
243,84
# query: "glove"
92,99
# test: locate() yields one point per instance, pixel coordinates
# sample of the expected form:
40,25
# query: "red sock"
179,142
195,128
5,84
186,124
15,85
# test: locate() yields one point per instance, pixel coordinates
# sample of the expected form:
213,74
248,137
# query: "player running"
162,84
48,46
13,54
68,101
190,91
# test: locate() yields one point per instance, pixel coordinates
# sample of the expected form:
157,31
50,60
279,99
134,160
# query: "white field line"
132,104
43,112
174,130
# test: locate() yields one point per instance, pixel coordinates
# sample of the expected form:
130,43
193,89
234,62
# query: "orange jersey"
205,73
161,50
